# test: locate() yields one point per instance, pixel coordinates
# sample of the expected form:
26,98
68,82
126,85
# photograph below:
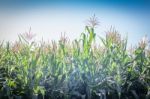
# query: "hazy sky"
48,19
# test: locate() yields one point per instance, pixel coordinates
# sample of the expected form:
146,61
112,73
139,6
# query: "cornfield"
78,69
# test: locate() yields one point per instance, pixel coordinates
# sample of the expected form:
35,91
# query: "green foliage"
78,69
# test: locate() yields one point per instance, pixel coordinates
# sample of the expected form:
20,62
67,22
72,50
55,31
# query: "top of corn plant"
93,21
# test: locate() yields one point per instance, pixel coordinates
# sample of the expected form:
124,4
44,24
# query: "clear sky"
48,19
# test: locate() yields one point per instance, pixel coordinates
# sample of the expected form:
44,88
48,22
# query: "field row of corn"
79,69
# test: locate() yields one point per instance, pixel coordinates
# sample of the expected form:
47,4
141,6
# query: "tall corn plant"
30,68
115,60
23,71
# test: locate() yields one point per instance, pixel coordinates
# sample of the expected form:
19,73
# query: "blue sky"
48,19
